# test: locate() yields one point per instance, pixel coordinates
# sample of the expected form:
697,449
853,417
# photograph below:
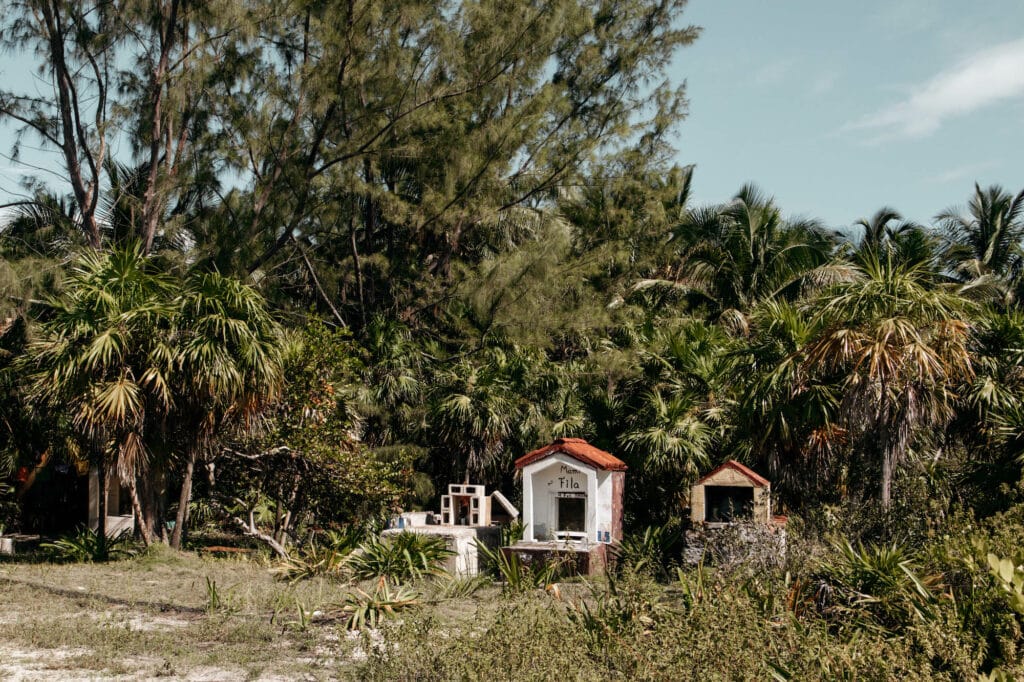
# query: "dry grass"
168,615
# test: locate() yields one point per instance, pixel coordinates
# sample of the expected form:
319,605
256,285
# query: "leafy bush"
874,586
400,557
656,551
627,609
640,631
1010,577
517,576
88,546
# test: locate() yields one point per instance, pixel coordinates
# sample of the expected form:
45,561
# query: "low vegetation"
950,609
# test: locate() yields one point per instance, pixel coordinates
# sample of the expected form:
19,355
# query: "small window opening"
724,504
572,513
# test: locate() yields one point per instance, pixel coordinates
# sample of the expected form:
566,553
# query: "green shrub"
874,586
517,576
656,551
642,631
399,558
326,556
87,545
365,610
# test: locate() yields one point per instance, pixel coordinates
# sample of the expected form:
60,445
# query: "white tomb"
572,502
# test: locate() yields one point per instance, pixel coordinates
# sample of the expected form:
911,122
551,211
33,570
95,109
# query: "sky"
835,108
840,108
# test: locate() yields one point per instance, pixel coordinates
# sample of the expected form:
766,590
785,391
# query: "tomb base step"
574,558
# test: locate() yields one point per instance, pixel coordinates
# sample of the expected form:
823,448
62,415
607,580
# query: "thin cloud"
981,80
965,172
773,72
824,83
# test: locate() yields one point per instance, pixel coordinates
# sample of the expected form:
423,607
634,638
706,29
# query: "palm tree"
228,367
877,229
885,230
785,418
392,386
473,413
105,354
130,350
744,252
986,238
672,416
897,345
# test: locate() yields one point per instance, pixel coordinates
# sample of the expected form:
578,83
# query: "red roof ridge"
736,466
578,449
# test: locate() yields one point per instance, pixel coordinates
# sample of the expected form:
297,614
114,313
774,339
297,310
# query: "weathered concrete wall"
115,523
588,560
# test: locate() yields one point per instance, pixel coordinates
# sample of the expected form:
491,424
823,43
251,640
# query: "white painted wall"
544,479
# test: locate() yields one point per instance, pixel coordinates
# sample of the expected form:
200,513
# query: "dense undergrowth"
827,611
944,603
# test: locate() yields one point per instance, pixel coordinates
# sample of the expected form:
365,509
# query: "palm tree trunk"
101,522
183,502
140,519
887,467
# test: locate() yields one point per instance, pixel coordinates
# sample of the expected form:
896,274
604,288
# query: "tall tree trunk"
101,523
151,199
887,468
183,502
358,267
144,530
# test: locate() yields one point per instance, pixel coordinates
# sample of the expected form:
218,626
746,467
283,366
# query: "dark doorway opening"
572,514
723,504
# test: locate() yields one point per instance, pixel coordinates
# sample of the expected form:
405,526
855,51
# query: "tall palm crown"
105,352
878,228
228,366
144,361
897,344
745,252
986,238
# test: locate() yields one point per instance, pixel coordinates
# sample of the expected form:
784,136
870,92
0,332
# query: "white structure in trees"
572,492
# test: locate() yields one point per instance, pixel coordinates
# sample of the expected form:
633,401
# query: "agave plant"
365,610
517,576
875,587
88,546
400,558
654,551
320,558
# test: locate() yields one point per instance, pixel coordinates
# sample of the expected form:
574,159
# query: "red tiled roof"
749,473
578,449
